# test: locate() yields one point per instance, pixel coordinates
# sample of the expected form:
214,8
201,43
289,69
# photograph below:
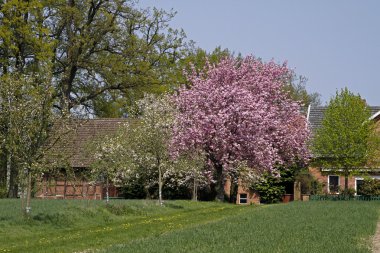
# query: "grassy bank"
184,226
68,226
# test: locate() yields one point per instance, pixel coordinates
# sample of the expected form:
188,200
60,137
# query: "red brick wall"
253,197
322,177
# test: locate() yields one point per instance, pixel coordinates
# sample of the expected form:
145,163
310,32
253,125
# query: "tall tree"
237,112
26,119
25,39
101,50
347,140
143,145
139,154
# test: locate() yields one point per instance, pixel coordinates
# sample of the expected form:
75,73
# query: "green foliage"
3,192
297,91
104,54
24,44
371,187
26,120
350,192
198,58
134,189
309,185
346,141
270,189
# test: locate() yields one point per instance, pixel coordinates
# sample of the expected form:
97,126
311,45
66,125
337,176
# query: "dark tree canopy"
101,51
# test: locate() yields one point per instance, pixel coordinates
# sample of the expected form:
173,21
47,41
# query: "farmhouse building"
332,181
73,150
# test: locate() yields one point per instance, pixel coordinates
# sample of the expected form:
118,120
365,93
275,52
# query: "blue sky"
333,43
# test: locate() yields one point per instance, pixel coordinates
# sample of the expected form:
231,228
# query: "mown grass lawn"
185,226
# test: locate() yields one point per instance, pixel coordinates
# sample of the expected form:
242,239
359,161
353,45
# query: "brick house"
332,181
72,147
244,196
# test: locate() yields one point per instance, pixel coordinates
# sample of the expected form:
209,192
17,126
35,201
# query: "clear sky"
334,43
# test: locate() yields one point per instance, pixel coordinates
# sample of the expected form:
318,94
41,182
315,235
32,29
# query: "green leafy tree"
346,141
24,37
102,51
27,120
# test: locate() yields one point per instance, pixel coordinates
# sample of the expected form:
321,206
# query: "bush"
370,187
350,192
309,185
3,192
270,189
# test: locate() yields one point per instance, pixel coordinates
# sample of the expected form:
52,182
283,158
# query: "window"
333,184
359,185
243,198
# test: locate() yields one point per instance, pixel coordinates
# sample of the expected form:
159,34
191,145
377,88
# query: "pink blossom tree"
237,111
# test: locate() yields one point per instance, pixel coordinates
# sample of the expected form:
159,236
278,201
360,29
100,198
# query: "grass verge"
185,226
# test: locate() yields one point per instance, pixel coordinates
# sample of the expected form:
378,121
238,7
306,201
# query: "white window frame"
240,198
356,185
328,182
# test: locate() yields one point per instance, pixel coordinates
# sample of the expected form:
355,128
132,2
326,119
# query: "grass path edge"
376,239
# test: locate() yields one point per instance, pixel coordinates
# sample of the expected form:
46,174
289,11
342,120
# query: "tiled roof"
73,144
316,115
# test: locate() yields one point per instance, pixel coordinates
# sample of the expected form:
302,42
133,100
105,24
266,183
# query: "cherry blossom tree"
236,111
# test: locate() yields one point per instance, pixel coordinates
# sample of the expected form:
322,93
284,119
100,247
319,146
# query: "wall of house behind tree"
61,189
252,197
322,177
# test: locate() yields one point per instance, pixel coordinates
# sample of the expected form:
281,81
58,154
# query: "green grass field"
185,226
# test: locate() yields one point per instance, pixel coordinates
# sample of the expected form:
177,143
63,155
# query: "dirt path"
376,240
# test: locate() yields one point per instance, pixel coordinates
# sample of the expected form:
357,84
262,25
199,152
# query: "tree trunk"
22,198
64,187
195,187
346,182
8,174
219,183
233,191
159,185
13,187
107,191
28,208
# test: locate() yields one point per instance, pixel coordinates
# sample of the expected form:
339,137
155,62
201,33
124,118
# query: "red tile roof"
73,145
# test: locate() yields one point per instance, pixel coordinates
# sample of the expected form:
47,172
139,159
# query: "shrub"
3,192
350,192
370,187
270,189
309,185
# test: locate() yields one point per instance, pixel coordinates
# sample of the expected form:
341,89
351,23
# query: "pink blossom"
237,111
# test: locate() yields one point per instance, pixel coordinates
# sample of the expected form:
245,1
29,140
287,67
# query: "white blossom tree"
139,152
26,120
